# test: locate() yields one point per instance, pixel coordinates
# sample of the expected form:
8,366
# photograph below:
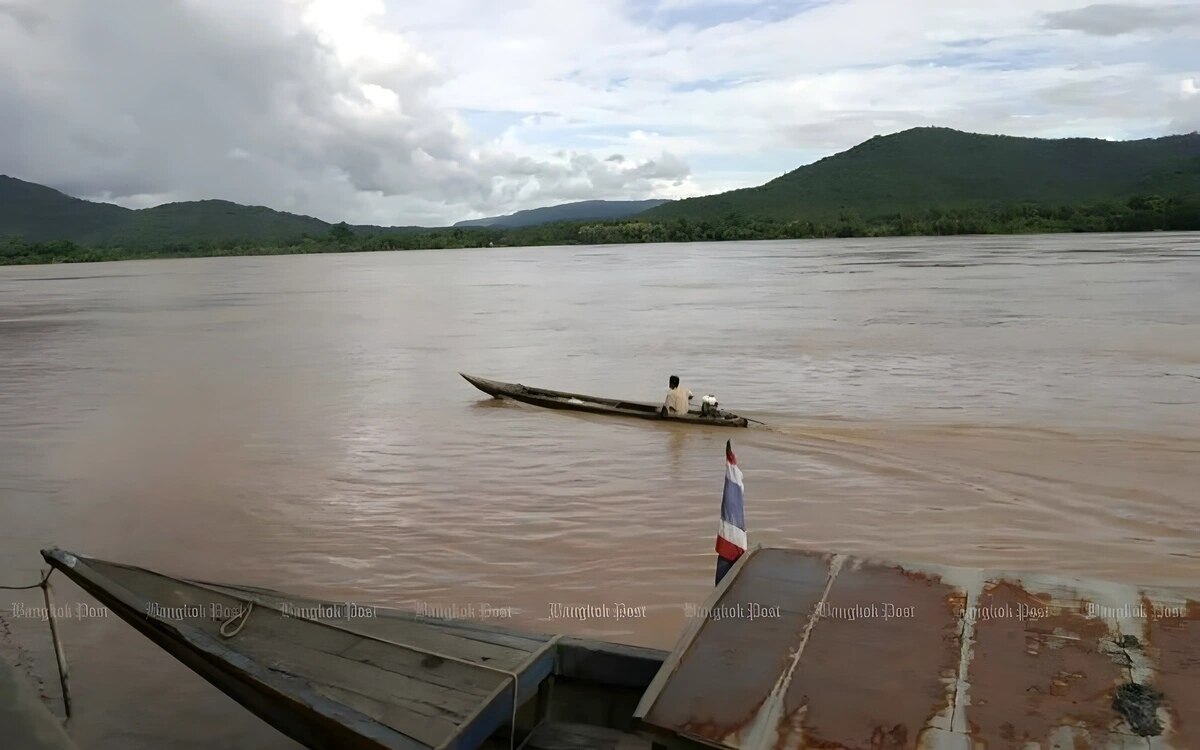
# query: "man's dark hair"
674,381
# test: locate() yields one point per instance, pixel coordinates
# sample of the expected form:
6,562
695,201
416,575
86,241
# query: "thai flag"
731,535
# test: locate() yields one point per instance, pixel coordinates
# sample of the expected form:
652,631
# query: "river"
298,422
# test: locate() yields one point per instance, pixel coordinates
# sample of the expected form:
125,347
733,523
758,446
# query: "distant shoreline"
1136,215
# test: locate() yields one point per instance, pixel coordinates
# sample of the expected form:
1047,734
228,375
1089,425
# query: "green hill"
209,221
925,168
36,213
40,214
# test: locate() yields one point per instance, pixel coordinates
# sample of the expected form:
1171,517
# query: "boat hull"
590,404
394,679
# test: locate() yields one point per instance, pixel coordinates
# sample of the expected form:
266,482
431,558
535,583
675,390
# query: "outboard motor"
708,406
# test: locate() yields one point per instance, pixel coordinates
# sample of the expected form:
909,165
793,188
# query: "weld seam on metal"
962,688
774,701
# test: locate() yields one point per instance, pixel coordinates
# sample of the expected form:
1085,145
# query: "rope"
245,617
37,585
60,658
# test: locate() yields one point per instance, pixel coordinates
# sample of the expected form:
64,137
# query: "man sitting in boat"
677,398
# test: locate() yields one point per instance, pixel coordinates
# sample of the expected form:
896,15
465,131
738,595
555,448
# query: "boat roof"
386,678
804,649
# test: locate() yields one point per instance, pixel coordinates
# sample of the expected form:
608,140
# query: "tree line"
1138,214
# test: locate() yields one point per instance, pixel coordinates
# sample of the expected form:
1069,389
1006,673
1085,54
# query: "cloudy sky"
426,112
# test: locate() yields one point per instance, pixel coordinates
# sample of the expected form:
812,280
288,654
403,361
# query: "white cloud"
401,113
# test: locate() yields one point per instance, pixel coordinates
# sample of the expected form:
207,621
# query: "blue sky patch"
705,14
713,84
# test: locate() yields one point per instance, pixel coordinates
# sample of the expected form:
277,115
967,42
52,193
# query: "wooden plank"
476,682
429,730
432,637
324,669
475,631
169,599
268,622
486,632
266,625
493,649
497,711
478,644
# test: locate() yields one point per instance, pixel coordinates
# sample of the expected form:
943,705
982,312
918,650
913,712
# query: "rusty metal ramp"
800,649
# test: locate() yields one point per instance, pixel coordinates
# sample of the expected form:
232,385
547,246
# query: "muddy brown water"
297,422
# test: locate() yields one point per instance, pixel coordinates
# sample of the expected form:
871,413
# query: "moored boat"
340,675
595,405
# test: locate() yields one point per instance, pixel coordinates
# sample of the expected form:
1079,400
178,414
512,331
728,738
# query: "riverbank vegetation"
1139,214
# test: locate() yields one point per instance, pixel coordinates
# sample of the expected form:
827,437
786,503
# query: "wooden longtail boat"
579,402
336,675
